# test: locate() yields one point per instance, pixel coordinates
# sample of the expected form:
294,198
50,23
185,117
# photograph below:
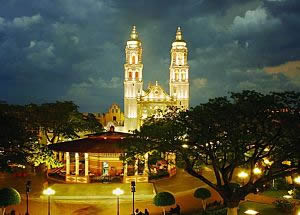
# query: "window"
133,59
136,75
130,75
114,118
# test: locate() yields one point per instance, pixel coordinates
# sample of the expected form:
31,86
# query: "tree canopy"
9,196
22,129
243,131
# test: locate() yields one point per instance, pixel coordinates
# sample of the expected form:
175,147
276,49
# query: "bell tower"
133,81
179,71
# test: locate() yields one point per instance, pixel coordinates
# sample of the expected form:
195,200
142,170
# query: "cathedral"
139,103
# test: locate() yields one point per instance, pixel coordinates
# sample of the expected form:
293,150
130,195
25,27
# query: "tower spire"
179,34
134,35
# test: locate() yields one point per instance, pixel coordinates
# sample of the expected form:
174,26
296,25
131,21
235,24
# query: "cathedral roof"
155,92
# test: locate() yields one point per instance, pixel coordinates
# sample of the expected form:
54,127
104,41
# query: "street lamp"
49,192
133,191
118,192
243,175
297,180
257,171
28,189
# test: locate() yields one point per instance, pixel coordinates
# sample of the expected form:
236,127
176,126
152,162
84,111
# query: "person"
146,212
136,211
177,209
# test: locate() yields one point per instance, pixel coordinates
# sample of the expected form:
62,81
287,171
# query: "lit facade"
140,104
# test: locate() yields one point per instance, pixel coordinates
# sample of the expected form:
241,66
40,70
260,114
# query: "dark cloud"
61,50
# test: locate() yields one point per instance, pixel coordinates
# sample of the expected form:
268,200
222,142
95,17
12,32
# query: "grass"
275,193
264,209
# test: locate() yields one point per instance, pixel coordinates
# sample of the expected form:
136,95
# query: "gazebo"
97,158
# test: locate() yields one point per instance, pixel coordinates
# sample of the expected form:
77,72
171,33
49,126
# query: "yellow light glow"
287,163
291,192
243,174
287,196
49,191
118,191
268,162
297,180
257,171
185,146
251,212
298,213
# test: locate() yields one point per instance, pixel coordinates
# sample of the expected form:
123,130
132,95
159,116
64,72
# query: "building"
114,117
139,103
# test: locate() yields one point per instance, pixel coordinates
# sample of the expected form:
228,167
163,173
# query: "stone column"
67,163
136,167
146,164
86,164
60,156
76,163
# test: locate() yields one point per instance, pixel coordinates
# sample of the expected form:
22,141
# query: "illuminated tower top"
179,36
134,35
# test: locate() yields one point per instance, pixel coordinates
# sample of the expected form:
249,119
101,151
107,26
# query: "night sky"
74,49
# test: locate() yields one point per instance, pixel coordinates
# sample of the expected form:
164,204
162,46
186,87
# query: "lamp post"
28,189
118,192
133,191
49,192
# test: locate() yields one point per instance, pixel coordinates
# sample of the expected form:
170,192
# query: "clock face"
156,92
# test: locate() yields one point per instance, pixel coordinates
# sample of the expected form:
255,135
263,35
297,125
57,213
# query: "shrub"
158,175
203,194
284,205
9,196
164,199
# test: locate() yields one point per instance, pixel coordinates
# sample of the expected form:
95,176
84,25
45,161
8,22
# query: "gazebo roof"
105,142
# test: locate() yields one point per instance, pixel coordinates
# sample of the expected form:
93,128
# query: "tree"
203,194
164,199
63,120
9,196
16,138
243,131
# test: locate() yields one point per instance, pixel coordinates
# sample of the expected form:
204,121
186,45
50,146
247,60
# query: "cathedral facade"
139,103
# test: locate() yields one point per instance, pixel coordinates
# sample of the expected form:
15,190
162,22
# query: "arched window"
136,75
183,76
133,59
130,75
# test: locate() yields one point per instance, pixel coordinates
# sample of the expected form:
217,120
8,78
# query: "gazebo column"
136,167
125,169
55,155
60,156
76,163
86,164
67,163
146,164
169,161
